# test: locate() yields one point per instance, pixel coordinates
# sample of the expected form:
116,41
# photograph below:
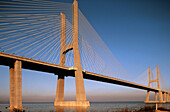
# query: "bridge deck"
27,63
102,78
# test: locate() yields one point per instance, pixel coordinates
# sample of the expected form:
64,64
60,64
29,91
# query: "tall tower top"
74,1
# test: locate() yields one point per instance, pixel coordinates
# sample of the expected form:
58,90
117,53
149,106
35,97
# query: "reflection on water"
94,107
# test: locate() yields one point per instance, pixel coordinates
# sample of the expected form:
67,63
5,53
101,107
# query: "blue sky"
136,31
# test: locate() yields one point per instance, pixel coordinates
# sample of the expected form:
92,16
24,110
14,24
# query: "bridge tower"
80,90
159,89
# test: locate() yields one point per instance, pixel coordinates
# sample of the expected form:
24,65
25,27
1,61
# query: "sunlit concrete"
16,85
72,108
73,103
80,90
161,100
60,81
154,102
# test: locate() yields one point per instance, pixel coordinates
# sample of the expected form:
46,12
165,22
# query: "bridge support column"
16,86
80,90
168,97
60,90
160,96
156,96
12,86
147,96
165,97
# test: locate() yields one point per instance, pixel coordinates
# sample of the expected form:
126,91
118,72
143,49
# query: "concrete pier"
12,87
60,90
168,97
147,96
156,96
165,97
16,85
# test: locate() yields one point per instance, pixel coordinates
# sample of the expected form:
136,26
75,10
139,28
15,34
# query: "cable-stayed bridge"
55,37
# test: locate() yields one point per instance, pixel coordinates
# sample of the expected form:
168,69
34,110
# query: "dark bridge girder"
35,65
102,78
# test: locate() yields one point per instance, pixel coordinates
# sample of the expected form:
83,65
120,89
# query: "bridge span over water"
9,59
16,62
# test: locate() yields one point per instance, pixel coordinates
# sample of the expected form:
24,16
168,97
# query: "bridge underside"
35,65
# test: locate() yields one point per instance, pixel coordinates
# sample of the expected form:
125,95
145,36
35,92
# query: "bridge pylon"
159,89
80,90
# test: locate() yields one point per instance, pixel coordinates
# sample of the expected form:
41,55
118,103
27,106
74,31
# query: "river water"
94,107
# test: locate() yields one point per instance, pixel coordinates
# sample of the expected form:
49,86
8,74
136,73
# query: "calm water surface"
94,107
